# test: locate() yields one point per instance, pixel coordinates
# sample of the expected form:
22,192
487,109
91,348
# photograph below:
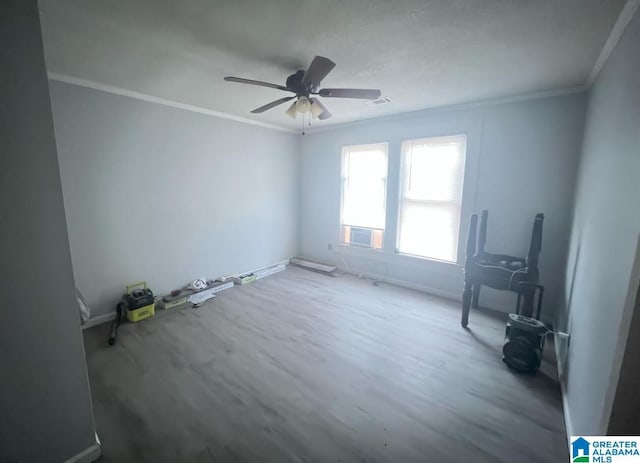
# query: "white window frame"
343,180
459,205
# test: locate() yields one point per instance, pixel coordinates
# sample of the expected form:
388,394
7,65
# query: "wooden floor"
302,367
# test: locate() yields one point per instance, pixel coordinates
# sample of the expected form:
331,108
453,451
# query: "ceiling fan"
304,84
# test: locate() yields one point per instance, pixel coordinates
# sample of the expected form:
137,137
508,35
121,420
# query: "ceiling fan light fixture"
316,109
292,111
303,105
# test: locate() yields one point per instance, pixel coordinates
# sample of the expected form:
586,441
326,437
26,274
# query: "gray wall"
165,195
604,238
45,404
521,159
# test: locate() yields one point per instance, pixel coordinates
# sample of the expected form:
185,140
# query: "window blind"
364,185
431,196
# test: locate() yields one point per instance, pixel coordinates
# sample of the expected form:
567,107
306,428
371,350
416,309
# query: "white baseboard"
268,271
405,284
88,455
258,270
454,296
99,320
437,275
568,424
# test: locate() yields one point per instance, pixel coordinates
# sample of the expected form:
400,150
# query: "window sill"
429,259
352,246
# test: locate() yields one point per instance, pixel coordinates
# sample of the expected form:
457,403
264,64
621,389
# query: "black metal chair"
500,271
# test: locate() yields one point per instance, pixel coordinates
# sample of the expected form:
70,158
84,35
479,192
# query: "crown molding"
405,115
454,107
626,15
161,101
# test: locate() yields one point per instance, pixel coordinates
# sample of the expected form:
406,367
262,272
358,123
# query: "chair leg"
475,299
466,303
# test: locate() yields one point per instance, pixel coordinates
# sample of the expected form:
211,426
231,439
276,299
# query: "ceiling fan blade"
273,104
365,94
318,70
321,111
240,80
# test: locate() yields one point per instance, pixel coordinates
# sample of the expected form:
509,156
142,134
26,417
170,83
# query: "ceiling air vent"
381,100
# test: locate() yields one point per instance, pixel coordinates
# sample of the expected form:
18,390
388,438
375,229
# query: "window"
364,194
431,196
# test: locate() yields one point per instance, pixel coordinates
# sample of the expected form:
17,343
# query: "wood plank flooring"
303,367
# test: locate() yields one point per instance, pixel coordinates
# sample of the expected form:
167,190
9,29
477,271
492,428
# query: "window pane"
431,196
429,230
434,168
431,170
364,185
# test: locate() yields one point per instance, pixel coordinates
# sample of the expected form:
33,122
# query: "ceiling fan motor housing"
294,82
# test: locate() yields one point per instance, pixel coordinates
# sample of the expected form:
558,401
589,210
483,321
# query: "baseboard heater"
313,265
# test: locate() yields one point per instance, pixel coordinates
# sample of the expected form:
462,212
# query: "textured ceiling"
420,53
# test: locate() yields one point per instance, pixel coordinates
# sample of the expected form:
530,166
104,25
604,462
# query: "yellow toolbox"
140,302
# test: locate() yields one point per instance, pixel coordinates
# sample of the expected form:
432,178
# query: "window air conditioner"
360,236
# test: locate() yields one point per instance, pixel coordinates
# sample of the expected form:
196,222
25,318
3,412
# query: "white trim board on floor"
106,318
258,270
